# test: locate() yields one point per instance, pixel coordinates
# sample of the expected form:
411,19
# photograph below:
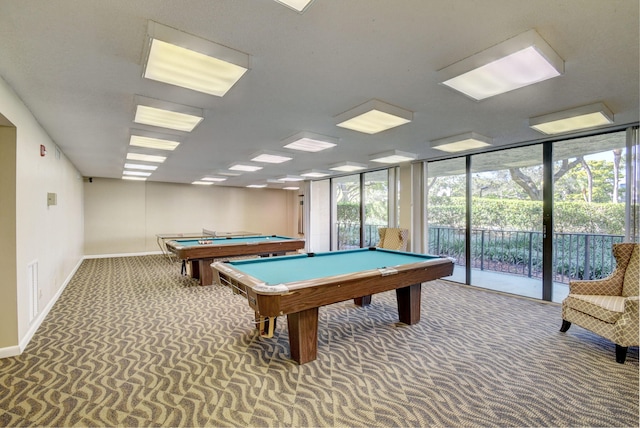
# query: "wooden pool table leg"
362,301
303,335
409,303
194,269
204,271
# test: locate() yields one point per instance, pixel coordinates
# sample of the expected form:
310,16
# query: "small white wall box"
52,199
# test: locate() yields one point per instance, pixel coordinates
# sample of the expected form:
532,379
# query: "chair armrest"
631,304
597,287
627,327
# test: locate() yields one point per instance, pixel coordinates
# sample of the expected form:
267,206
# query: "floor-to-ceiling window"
359,205
491,211
589,180
506,220
348,221
446,213
376,205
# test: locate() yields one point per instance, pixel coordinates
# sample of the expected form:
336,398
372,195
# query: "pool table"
200,253
298,285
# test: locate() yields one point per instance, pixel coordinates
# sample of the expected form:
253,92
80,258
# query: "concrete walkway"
509,283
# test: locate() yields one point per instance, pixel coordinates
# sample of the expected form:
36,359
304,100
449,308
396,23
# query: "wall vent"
32,283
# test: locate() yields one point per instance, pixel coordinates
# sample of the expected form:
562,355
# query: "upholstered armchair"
609,306
393,238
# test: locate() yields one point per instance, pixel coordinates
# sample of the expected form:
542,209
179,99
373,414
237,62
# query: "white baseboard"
10,351
107,256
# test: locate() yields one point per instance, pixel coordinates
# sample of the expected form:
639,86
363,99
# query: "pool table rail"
301,300
282,299
201,256
220,248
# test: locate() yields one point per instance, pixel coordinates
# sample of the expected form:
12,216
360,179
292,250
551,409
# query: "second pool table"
200,253
298,285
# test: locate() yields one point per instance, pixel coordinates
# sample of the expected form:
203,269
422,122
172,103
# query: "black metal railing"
348,235
575,255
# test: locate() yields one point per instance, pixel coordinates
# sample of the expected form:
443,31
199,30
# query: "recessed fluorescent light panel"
461,143
393,156
146,158
299,6
290,178
290,188
373,116
140,166
257,186
270,157
153,143
314,173
244,167
203,183
180,59
214,179
585,117
167,115
308,142
515,63
136,173
133,178
347,166
228,173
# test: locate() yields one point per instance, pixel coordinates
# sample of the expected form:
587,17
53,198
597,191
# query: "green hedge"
513,214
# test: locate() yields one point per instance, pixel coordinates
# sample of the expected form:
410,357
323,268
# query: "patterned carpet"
133,343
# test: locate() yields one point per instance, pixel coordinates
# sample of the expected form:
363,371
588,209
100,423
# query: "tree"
524,181
574,179
592,183
529,185
588,192
617,156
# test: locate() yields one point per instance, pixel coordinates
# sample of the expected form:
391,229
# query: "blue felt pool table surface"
302,267
236,240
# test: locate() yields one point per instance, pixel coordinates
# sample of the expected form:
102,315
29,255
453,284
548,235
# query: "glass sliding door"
347,197
590,178
446,212
486,211
376,205
506,220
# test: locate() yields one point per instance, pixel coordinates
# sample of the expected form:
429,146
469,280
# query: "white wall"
52,236
320,216
405,200
125,216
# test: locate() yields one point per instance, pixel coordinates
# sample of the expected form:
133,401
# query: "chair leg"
565,326
621,354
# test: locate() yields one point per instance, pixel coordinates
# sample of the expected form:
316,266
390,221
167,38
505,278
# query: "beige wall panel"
115,221
177,208
8,277
125,216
